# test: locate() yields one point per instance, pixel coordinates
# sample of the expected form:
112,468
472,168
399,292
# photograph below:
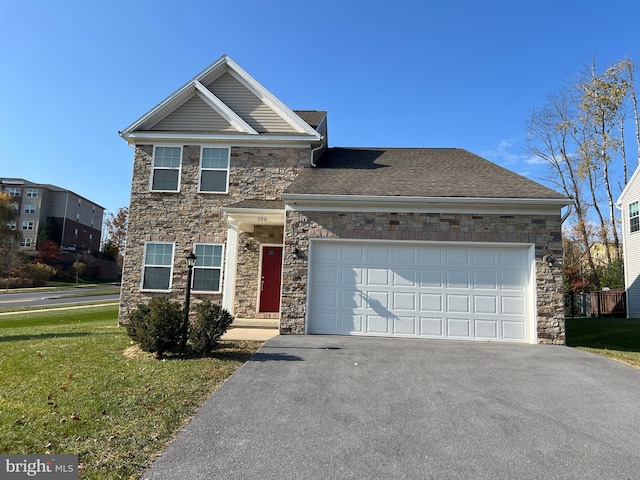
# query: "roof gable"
630,185
222,99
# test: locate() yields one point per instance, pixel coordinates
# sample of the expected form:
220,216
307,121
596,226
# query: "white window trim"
32,192
221,268
144,265
11,225
26,242
228,169
30,209
153,168
635,216
29,224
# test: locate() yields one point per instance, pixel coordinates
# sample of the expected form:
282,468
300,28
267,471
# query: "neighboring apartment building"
78,221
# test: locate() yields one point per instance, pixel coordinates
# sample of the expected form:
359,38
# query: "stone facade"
544,231
187,216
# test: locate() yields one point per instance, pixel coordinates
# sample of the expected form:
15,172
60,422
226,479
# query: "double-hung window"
29,209
32,192
25,242
634,217
27,225
214,170
165,176
157,267
208,268
11,225
13,191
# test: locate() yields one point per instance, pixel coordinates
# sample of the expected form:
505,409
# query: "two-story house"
409,242
76,220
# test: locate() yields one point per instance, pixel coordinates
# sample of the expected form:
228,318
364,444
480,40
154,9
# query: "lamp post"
191,261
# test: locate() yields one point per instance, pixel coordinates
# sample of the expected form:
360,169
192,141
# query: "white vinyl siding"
165,175
158,266
195,115
421,290
214,170
207,272
249,107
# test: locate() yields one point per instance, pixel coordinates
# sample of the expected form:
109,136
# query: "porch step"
268,323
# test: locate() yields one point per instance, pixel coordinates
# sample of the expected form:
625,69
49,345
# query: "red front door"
271,279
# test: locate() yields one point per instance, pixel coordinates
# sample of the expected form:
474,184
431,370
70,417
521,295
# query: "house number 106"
262,219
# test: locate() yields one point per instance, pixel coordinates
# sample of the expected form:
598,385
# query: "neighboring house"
629,204
408,242
78,221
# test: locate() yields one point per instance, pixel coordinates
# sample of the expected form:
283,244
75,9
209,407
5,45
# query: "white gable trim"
271,100
243,77
634,177
226,113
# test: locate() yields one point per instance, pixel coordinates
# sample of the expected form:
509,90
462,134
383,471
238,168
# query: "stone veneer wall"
247,281
187,217
542,230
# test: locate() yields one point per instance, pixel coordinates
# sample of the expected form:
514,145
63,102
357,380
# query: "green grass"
615,338
71,383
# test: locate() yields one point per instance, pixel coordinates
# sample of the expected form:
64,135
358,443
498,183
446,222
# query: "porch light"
191,261
549,259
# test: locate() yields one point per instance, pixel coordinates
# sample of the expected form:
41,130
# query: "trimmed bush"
211,322
157,326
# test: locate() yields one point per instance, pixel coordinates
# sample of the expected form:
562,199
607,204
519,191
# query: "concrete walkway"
318,407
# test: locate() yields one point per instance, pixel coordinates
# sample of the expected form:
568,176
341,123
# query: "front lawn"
70,383
616,338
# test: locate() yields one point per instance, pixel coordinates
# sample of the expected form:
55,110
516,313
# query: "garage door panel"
457,303
431,326
431,302
404,277
404,301
485,304
377,276
431,278
421,290
457,279
513,331
458,327
404,326
377,324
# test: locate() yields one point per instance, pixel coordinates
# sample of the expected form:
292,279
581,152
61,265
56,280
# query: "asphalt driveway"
326,407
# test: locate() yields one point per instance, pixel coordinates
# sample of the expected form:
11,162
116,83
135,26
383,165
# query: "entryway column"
229,286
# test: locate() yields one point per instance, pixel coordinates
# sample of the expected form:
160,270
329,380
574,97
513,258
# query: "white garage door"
421,290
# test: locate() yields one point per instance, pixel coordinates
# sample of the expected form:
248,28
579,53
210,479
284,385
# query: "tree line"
582,133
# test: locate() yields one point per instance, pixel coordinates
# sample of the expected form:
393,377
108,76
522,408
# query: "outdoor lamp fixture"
191,261
549,259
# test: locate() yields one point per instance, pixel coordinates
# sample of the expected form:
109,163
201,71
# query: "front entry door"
271,279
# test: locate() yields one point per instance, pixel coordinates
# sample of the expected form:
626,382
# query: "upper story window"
157,266
634,217
13,191
27,225
25,242
32,192
165,175
208,268
29,209
11,225
214,170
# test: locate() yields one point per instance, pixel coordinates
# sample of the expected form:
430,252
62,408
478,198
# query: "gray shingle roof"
416,172
258,204
312,117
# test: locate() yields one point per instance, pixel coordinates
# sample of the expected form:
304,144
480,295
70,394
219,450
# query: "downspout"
313,164
567,213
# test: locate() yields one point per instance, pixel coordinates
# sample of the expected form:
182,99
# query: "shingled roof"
414,172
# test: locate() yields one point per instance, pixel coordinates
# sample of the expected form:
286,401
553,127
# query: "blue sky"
450,73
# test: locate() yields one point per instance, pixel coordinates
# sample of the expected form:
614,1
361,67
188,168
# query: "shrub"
38,273
156,326
211,322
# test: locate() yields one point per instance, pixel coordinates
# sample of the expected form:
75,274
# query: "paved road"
48,298
317,407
